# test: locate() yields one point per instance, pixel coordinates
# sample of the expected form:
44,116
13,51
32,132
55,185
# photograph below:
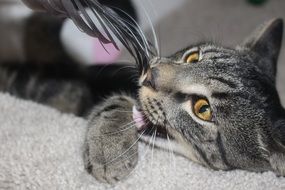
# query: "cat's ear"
266,42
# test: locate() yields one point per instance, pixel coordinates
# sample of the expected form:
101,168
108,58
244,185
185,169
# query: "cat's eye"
202,109
193,57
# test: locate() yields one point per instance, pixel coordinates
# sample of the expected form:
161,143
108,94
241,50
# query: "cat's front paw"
109,169
111,146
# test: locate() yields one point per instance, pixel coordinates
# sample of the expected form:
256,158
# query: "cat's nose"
149,79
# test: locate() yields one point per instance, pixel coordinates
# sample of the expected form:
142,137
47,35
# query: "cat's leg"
111,145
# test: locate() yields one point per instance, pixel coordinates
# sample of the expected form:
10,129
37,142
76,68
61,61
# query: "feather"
109,26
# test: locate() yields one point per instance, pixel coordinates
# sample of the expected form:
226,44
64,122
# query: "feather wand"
112,25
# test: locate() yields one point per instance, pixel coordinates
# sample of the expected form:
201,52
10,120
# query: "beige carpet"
41,148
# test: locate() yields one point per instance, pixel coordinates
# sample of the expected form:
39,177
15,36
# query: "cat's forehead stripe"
211,48
208,48
197,89
227,82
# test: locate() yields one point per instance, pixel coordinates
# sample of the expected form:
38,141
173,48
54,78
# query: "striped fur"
247,127
239,84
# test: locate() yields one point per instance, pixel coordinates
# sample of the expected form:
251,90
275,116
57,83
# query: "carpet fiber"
41,148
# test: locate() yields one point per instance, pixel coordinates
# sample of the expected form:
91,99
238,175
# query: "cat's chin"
146,127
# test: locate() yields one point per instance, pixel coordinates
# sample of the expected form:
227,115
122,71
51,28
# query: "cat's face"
219,105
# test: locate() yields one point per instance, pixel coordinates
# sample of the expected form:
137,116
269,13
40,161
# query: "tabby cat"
218,106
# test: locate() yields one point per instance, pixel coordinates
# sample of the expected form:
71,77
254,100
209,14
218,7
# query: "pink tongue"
138,118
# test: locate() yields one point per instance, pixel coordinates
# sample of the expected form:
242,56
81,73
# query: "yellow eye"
203,110
193,57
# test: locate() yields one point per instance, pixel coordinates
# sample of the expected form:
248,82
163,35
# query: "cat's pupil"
204,109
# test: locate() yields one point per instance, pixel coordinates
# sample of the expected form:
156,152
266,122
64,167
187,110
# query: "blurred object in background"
257,2
12,22
34,4
9,1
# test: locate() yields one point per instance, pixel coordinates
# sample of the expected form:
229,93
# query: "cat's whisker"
150,112
124,111
105,134
120,155
134,79
129,66
116,132
122,68
130,35
171,151
147,111
134,26
144,154
155,38
170,148
127,61
151,141
159,41
98,73
121,129
116,159
153,147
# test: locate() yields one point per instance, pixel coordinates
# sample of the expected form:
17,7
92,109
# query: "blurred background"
178,24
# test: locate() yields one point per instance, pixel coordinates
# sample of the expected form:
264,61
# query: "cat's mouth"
146,127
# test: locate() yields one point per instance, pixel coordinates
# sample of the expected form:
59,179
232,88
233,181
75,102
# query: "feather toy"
127,31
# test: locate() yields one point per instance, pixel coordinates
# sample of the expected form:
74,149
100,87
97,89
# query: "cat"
218,106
